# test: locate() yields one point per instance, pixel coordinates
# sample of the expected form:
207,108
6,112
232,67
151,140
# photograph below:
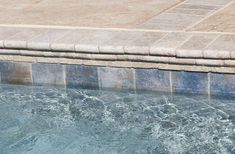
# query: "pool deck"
190,35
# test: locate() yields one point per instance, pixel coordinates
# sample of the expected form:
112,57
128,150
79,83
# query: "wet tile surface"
48,74
15,73
117,78
189,82
152,79
80,76
222,84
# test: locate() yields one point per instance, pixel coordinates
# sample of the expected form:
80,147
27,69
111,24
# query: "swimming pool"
36,120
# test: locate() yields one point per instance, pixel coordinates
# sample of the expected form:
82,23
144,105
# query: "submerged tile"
15,73
152,79
190,82
116,78
81,76
48,74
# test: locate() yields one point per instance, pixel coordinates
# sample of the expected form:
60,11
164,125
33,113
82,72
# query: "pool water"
52,120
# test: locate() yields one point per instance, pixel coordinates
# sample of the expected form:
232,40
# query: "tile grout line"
65,75
99,81
209,84
209,15
31,72
134,79
171,84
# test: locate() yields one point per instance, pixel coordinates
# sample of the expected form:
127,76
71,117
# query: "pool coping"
143,48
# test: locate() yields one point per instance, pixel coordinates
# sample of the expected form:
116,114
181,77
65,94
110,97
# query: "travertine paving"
98,13
169,15
172,34
222,21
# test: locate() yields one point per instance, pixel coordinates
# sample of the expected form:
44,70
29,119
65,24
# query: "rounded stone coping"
117,49
196,65
194,49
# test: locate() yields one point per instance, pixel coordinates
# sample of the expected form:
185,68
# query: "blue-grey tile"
152,79
189,82
116,78
48,74
15,73
222,84
81,76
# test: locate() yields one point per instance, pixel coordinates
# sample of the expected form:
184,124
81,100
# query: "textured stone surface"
222,21
195,45
171,21
116,78
81,76
48,74
152,79
168,44
15,73
190,82
105,13
224,42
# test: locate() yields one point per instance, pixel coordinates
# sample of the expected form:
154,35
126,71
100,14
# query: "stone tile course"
48,74
152,79
190,82
80,76
222,84
15,73
116,78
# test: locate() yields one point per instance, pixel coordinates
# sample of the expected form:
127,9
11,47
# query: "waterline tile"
81,76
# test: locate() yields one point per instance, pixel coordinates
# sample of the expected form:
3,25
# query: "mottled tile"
116,78
15,73
189,82
48,74
81,76
222,84
152,79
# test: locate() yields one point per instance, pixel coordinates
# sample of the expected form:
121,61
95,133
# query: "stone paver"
222,21
104,13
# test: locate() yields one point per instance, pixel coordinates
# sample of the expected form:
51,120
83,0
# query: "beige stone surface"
222,21
98,13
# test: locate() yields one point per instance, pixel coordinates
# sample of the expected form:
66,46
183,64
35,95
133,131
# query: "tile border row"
117,78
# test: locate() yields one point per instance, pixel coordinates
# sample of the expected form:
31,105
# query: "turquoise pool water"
50,120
